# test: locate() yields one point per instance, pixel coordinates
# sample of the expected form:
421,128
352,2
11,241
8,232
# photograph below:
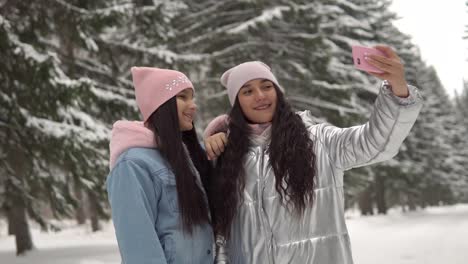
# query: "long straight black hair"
292,158
165,124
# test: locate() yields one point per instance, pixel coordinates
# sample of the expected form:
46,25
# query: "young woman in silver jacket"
277,196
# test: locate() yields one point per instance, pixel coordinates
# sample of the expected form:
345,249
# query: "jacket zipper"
262,213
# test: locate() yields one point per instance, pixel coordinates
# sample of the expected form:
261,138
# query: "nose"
260,95
193,106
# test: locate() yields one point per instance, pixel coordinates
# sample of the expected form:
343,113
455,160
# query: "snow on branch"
102,11
63,130
349,5
29,51
241,45
161,52
111,96
4,22
266,16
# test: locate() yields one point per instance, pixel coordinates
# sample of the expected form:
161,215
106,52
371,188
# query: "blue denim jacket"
143,197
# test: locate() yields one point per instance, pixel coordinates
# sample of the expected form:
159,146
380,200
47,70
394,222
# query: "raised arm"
377,140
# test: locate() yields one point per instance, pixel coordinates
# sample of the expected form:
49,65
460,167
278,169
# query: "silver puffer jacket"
265,231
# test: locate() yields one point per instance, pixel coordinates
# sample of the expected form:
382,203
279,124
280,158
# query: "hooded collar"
129,134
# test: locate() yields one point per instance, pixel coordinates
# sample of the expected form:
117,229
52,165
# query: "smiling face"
257,99
186,109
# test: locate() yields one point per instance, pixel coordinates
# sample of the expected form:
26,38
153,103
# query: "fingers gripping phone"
359,52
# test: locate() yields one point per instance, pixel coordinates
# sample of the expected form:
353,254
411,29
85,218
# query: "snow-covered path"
433,236
73,245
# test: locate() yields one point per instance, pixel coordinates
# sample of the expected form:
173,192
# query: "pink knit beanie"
234,78
154,86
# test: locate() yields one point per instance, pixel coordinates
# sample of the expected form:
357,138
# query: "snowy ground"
434,236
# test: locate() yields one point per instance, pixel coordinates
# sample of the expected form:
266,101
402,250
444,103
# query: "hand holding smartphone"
359,54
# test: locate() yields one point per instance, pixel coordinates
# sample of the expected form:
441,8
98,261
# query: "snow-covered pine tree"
427,159
76,38
365,22
284,34
100,42
462,112
391,179
113,38
54,118
146,36
33,89
308,46
460,145
354,23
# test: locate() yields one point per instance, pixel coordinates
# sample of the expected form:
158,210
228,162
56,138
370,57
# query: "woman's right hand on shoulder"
215,144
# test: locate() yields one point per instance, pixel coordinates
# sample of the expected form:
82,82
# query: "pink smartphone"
359,52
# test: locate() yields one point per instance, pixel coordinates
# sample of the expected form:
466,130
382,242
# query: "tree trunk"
21,227
403,208
80,213
402,201
411,203
17,201
365,202
380,195
94,212
11,222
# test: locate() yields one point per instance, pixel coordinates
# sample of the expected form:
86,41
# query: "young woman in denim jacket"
158,173
278,192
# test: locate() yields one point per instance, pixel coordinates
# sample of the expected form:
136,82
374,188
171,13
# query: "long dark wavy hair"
292,158
165,123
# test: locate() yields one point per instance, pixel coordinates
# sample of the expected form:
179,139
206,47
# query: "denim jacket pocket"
170,190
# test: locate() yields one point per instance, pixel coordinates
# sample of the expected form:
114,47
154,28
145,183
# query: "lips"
262,107
189,116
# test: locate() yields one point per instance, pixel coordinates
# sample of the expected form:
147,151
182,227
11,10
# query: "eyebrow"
187,92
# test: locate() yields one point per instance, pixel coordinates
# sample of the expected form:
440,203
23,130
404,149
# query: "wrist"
400,89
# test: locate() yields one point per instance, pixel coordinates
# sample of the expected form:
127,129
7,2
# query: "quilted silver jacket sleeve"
377,140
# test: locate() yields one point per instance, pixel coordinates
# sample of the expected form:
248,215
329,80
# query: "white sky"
437,27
